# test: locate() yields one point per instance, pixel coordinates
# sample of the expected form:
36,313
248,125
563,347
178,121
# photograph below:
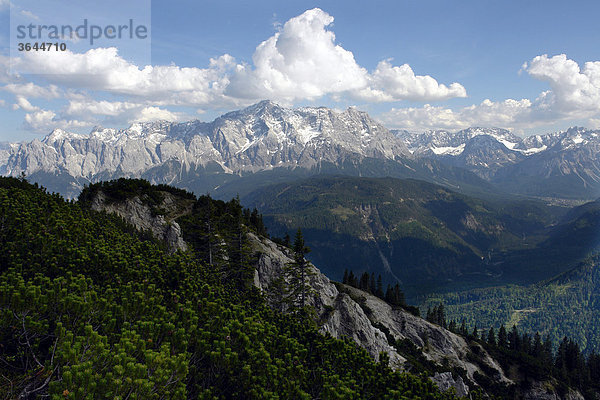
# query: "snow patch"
305,135
453,151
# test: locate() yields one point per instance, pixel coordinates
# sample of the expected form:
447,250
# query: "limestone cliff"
160,221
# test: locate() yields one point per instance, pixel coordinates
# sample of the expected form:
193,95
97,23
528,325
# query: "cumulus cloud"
303,61
573,90
574,94
46,120
389,83
24,104
112,73
300,61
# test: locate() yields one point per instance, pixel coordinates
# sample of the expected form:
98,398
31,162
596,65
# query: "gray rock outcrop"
139,214
445,382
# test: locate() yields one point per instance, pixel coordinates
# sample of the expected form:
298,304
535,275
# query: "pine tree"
372,284
491,339
537,349
241,269
514,339
452,326
345,279
352,279
379,290
475,333
502,338
364,282
297,274
463,328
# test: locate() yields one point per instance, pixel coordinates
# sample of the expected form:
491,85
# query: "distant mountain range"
280,143
559,165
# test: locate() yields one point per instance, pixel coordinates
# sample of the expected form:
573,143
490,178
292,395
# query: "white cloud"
103,69
148,114
389,83
5,75
29,14
24,104
4,4
574,94
573,91
506,114
87,107
45,121
120,111
302,61
30,89
2,103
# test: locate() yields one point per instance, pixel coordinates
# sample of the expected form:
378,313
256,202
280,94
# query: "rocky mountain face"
559,165
202,156
261,137
137,212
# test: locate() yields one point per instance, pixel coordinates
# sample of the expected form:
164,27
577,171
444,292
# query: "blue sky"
528,66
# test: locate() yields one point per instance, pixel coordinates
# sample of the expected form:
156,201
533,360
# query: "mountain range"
278,143
556,165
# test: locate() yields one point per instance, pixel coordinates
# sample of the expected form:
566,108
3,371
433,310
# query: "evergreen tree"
514,339
502,338
240,269
345,279
297,274
364,282
452,326
372,284
463,328
352,279
379,291
537,349
491,339
475,333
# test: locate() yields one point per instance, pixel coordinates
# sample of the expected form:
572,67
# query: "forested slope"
90,308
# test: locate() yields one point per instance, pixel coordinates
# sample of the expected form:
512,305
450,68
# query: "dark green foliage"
90,308
296,277
568,305
437,315
393,295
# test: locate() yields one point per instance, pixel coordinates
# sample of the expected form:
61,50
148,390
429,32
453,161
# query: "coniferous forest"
91,308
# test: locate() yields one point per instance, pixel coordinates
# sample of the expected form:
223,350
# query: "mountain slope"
106,311
421,234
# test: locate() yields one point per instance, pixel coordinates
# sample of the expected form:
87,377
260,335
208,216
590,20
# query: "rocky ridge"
260,137
563,164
